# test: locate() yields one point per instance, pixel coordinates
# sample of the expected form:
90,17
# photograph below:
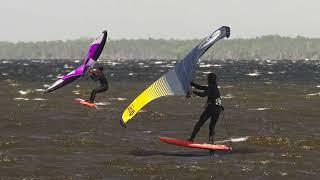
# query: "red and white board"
189,144
85,103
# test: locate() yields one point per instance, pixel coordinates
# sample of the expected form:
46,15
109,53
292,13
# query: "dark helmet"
212,78
100,68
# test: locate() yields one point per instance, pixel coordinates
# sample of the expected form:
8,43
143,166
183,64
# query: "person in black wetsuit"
98,76
213,107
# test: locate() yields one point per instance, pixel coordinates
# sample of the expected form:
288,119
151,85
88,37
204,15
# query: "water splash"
238,139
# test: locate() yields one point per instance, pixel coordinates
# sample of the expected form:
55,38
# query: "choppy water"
272,117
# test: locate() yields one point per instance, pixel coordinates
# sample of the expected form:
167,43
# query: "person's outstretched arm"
93,76
197,86
200,94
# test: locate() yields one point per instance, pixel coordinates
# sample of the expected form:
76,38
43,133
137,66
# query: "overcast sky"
37,20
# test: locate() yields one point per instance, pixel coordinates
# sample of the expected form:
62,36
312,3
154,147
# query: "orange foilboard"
189,144
85,103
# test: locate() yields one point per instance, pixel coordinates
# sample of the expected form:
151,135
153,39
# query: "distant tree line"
266,47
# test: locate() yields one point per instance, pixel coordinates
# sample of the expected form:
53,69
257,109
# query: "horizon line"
152,38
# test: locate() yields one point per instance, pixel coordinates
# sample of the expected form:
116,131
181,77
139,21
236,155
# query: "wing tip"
123,124
47,91
227,31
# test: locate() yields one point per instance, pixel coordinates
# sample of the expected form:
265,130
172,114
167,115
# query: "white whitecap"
76,92
228,96
314,94
21,99
46,85
253,74
269,72
205,65
227,87
131,74
283,173
39,90
158,62
24,92
113,63
103,103
121,99
118,98
5,74
14,84
39,99
318,86
259,109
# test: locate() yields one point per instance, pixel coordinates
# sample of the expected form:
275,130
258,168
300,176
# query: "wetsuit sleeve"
94,77
201,94
197,86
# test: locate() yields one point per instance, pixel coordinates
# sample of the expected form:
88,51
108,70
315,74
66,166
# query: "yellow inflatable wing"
159,88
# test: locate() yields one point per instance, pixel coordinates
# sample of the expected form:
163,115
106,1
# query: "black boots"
190,139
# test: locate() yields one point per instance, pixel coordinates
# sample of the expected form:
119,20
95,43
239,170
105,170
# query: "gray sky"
34,20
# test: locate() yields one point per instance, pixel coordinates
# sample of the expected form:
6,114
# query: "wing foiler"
92,56
177,80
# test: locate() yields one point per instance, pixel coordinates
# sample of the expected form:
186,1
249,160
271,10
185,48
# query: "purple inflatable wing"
92,57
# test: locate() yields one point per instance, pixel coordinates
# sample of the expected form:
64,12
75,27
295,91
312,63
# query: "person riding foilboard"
98,75
213,106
